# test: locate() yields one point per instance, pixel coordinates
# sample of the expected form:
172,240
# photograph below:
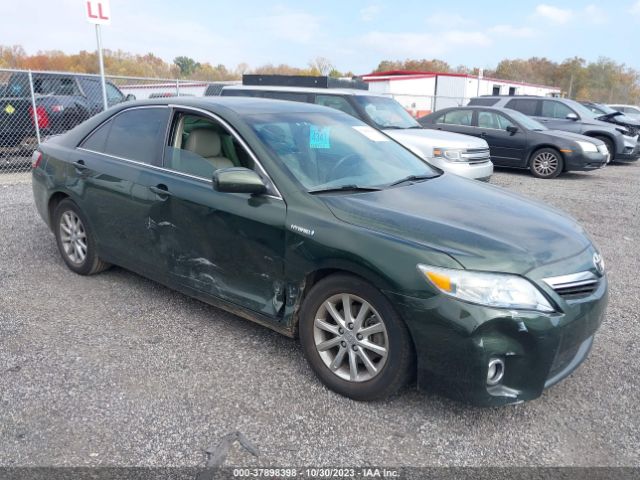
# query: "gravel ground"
117,370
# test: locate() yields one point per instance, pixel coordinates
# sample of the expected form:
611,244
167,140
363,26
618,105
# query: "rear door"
229,246
112,163
507,148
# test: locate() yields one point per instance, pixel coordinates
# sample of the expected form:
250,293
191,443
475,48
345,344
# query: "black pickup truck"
62,102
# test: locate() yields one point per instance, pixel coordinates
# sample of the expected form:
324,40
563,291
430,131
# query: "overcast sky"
354,35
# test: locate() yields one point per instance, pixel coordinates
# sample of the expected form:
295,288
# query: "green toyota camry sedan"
307,221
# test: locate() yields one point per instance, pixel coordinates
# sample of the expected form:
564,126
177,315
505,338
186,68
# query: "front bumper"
584,161
630,151
455,341
474,171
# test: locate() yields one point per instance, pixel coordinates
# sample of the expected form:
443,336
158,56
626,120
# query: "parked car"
462,155
609,115
62,102
312,223
519,141
629,110
569,115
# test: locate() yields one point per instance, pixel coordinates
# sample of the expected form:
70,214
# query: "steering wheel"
347,163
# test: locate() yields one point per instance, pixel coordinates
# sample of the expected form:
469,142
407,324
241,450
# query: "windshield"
386,112
328,151
527,122
580,109
604,109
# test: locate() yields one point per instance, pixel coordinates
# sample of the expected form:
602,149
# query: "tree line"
602,80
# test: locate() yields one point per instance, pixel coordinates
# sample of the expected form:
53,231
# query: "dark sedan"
310,222
518,141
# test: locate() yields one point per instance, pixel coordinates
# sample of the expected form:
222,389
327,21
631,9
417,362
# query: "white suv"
462,155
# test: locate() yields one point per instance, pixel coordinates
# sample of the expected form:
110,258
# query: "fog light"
495,371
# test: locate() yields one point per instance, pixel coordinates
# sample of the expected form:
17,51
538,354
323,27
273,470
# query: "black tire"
90,263
399,364
546,163
610,146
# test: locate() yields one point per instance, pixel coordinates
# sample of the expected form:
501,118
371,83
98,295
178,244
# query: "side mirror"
572,116
129,97
512,129
238,180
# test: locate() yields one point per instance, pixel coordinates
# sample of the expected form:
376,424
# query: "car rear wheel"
546,163
75,241
354,340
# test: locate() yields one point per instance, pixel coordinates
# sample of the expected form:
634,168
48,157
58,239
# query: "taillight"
57,108
43,116
36,158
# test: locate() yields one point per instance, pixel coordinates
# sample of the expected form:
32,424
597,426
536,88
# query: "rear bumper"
474,171
455,341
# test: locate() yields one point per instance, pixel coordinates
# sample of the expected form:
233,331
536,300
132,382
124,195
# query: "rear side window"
552,109
456,117
136,134
291,96
483,102
523,105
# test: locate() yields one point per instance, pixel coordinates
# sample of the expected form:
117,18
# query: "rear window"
483,102
136,134
527,106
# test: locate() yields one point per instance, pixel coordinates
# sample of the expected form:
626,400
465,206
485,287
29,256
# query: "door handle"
161,190
79,164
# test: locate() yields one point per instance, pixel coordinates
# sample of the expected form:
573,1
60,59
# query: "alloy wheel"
351,337
73,237
545,164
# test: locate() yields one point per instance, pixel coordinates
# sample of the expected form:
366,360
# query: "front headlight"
452,154
587,147
498,290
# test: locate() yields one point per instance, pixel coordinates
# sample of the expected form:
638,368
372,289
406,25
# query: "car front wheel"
546,163
354,340
75,241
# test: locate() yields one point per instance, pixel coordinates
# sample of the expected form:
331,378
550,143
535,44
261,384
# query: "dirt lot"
117,370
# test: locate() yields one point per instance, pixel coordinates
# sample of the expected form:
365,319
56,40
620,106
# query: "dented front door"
227,245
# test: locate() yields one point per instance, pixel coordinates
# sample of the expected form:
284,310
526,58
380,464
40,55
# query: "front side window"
334,101
493,120
113,94
552,109
386,112
325,150
199,146
457,117
135,134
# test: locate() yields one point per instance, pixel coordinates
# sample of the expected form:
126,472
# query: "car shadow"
562,176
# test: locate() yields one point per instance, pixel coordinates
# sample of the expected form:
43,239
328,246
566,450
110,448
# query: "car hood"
481,226
620,118
571,136
423,141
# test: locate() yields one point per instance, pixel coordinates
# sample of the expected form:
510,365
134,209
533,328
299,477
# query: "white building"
425,92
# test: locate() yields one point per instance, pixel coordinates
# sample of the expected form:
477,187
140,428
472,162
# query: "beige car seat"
206,143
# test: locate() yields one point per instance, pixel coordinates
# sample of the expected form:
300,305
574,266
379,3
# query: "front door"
507,147
226,245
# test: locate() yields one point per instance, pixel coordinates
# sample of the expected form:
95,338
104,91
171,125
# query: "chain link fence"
35,105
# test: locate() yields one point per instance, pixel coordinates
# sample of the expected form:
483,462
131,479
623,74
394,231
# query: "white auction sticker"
371,133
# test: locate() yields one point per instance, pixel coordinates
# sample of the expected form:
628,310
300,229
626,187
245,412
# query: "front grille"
476,155
574,285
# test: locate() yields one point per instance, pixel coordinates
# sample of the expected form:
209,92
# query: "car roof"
330,91
239,105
